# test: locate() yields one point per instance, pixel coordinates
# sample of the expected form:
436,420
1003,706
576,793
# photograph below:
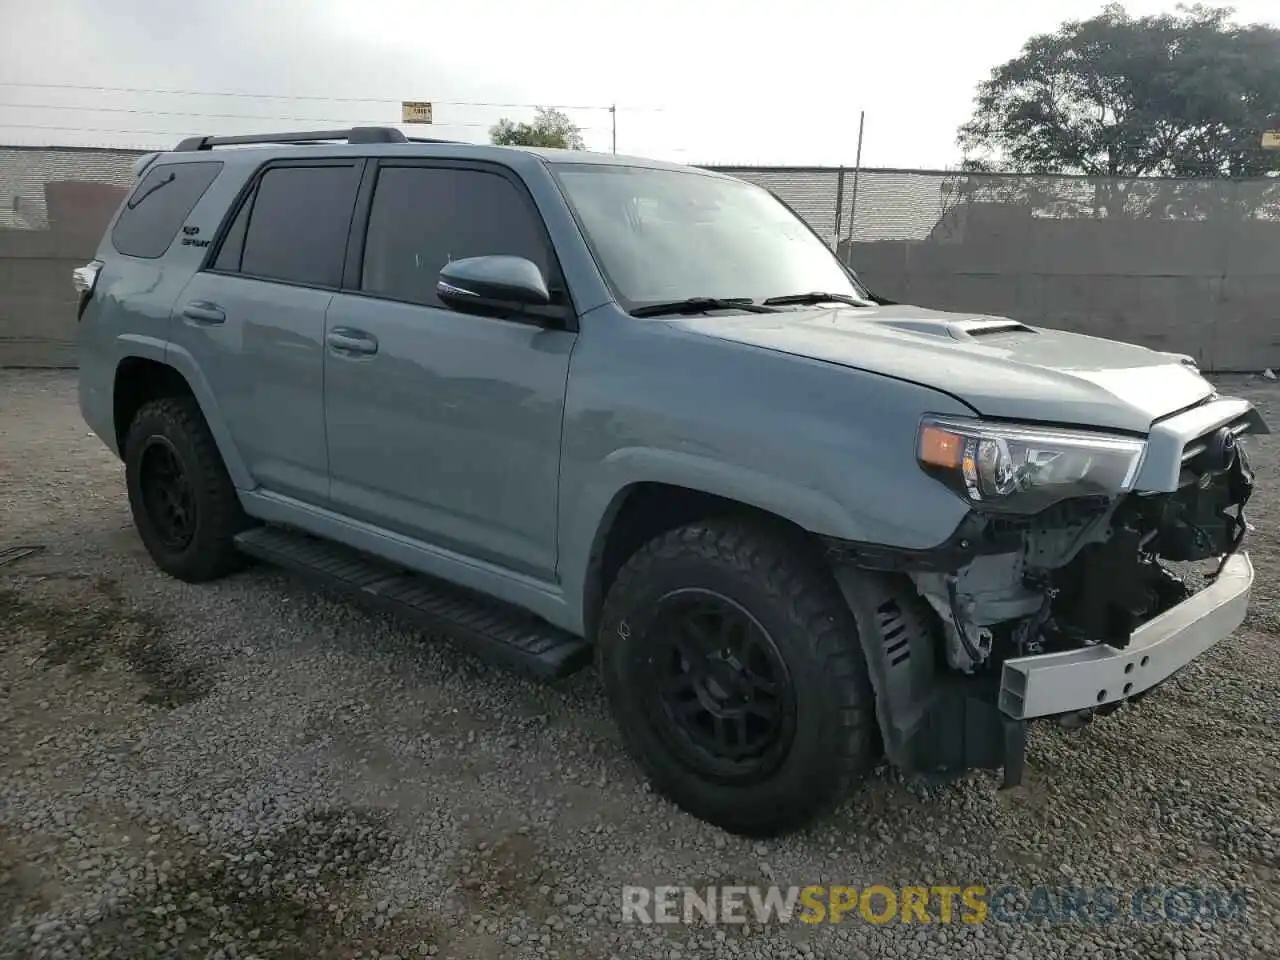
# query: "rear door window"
425,217
297,225
159,205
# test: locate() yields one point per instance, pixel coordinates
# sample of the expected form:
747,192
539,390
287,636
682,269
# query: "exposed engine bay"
1088,571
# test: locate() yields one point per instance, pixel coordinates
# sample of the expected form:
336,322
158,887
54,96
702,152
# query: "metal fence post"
857,168
839,206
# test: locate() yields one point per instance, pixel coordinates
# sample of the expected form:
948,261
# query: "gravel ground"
253,769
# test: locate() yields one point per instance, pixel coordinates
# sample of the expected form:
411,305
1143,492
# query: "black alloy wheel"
722,692
167,494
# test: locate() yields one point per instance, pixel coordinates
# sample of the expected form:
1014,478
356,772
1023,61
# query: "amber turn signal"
940,448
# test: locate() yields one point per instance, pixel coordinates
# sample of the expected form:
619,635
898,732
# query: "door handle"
202,311
347,340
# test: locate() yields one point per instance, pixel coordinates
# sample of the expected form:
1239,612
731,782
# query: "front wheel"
733,668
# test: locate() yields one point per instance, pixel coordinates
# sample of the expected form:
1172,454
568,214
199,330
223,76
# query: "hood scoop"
984,327
969,328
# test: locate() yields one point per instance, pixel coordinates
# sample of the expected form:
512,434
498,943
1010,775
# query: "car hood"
999,367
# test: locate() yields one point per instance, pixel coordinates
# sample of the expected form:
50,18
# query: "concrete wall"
1190,266
55,204
1207,288
37,300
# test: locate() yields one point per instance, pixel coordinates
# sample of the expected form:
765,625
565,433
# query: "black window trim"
248,194
133,201
353,267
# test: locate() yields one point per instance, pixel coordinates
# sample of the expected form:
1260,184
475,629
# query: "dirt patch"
25,884
83,636
276,899
502,874
15,887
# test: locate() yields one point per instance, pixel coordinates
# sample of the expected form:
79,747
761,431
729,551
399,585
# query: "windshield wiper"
699,304
797,299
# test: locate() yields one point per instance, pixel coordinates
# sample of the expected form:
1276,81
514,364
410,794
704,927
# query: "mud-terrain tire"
807,672
184,504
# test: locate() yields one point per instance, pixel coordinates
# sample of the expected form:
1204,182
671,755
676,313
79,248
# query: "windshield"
666,235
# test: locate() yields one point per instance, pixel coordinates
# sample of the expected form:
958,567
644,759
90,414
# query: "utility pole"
613,116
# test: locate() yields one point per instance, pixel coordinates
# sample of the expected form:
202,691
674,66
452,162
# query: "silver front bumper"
1052,683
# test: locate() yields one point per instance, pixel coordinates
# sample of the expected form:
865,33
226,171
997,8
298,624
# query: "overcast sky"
695,80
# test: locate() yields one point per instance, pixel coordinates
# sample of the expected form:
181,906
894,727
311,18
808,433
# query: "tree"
1184,95
550,128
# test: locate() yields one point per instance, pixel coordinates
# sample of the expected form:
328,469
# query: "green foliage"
1185,95
550,128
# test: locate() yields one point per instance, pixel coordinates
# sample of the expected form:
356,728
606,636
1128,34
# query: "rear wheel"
733,668
184,504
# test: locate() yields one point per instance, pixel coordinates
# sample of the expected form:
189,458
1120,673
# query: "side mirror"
483,284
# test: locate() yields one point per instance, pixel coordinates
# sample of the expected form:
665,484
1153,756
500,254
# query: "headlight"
1025,469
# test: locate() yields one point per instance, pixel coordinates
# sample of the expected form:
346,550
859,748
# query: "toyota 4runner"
561,406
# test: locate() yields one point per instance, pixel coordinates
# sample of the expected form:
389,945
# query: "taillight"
84,279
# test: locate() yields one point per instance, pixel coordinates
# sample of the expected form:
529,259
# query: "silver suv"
558,405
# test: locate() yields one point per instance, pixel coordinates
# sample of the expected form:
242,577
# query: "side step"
493,631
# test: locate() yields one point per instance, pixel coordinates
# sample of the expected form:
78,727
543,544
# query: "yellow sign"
1271,140
415,111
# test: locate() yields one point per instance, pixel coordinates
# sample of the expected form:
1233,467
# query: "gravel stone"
251,768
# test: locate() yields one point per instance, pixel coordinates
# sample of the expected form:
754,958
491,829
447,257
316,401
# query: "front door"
444,426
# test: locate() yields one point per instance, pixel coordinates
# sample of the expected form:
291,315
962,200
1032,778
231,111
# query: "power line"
192,93
186,133
221,116
143,133
286,96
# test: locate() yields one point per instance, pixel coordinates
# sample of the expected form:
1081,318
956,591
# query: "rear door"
254,319
445,426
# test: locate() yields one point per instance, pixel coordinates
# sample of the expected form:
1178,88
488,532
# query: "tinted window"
423,218
233,243
158,206
298,225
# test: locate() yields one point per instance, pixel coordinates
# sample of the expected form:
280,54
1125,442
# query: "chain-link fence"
1191,266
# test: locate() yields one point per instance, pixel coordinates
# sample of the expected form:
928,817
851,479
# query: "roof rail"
353,135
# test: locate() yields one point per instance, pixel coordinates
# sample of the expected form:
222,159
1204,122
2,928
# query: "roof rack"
352,135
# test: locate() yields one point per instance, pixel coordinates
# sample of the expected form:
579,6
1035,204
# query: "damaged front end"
1089,568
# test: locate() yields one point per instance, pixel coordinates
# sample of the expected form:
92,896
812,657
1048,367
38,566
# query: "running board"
494,632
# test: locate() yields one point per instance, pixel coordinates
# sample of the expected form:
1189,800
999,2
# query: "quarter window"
158,206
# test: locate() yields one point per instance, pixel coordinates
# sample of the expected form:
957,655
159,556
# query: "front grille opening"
1201,443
